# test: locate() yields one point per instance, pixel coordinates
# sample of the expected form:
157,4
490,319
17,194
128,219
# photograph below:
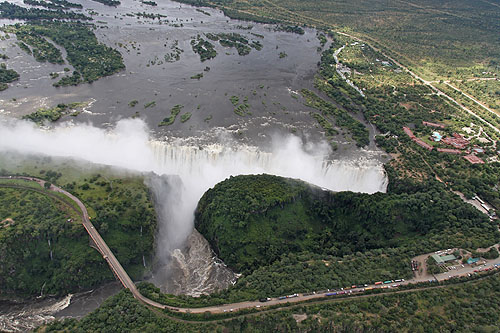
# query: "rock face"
194,270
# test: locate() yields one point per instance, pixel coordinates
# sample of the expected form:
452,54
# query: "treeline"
342,118
41,49
46,250
203,48
12,11
7,76
53,4
250,221
289,28
91,59
469,307
235,40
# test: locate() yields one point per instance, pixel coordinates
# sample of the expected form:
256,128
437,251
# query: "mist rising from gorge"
191,169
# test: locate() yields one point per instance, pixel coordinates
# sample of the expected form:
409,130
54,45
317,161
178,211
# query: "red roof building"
417,140
422,144
409,132
457,141
447,150
426,123
474,159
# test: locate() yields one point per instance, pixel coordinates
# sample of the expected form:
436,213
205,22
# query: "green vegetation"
235,40
91,59
330,132
72,80
203,12
250,221
150,104
197,76
46,249
342,119
471,307
53,4
173,115
240,109
150,15
204,48
283,55
13,11
41,49
322,39
436,39
111,3
234,100
55,113
487,91
185,117
150,3
7,76
292,29
133,103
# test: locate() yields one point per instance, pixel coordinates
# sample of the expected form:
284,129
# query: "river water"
268,82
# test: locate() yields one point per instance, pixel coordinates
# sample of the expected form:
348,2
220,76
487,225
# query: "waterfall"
183,262
213,163
182,170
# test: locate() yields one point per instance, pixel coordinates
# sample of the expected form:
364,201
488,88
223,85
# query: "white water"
27,317
129,145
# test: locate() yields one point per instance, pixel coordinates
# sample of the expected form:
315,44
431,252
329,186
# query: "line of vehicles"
343,291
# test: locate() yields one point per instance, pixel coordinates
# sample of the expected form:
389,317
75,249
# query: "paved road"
472,98
426,82
122,275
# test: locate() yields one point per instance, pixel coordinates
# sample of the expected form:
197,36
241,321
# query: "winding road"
122,275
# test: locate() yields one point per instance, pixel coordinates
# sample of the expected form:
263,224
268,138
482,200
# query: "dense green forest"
250,221
204,48
56,257
241,43
53,4
7,76
91,59
13,11
469,307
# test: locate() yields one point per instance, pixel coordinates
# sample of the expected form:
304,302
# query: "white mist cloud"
129,145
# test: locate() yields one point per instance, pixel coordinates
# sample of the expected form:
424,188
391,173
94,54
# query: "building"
456,141
408,132
422,144
417,140
440,260
473,159
426,123
478,150
447,150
